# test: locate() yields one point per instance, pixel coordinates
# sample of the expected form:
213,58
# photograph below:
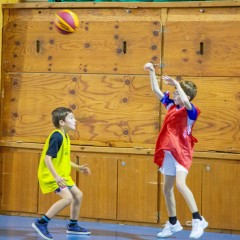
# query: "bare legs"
169,195
183,189
71,196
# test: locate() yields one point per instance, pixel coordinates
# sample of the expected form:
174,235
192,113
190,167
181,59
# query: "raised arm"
184,98
154,82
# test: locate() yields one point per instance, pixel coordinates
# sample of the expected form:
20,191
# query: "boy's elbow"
187,105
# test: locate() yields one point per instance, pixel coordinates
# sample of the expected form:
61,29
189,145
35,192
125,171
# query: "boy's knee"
181,186
68,200
167,190
80,195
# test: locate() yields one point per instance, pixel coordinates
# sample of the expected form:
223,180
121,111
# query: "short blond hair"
189,88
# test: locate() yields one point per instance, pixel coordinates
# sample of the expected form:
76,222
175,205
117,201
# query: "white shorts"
170,165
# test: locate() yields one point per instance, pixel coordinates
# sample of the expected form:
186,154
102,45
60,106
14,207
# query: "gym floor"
16,228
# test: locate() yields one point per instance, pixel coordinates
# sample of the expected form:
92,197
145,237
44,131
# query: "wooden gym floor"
17,228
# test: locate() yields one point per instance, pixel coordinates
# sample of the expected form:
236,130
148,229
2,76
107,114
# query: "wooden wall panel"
220,198
217,128
107,41
100,188
19,184
1,27
111,110
137,189
205,42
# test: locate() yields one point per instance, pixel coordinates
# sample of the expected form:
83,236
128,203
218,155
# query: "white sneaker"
198,227
169,229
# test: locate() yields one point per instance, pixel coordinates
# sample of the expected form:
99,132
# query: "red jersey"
176,133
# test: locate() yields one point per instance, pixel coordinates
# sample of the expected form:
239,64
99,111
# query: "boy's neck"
64,131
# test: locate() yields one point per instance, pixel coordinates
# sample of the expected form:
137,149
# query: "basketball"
66,21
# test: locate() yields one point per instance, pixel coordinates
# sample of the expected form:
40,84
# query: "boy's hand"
170,81
60,181
148,67
84,169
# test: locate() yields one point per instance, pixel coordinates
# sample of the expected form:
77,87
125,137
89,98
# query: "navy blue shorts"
58,190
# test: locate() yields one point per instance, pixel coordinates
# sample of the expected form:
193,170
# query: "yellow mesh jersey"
62,165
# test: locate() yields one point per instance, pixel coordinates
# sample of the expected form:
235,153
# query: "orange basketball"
66,21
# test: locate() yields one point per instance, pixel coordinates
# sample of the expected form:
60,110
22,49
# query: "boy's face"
70,122
176,98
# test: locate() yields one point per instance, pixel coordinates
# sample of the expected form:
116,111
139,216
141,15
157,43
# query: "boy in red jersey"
174,150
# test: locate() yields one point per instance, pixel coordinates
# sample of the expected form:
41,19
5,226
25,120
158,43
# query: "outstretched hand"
84,169
148,67
169,81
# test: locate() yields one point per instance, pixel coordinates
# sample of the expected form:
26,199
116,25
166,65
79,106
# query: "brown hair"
59,114
189,88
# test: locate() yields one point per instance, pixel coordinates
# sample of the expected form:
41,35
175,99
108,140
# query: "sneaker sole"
78,233
178,230
204,227
39,232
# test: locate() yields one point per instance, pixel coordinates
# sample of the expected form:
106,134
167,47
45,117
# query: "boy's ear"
188,97
61,122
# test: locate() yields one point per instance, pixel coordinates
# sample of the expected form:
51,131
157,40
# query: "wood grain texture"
19,184
205,42
220,194
110,110
126,5
137,189
100,188
108,41
1,25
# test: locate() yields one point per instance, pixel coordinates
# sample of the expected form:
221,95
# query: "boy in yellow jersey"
54,174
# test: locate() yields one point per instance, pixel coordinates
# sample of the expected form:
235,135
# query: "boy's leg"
198,222
185,191
168,183
58,206
73,227
173,224
41,225
76,202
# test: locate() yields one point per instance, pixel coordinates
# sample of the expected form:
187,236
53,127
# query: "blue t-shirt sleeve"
55,143
166,100
193,113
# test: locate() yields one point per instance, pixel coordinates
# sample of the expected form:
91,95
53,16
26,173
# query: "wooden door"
115,41
45,201
137,189
202,42
100,188
220,194
19,182
194,182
